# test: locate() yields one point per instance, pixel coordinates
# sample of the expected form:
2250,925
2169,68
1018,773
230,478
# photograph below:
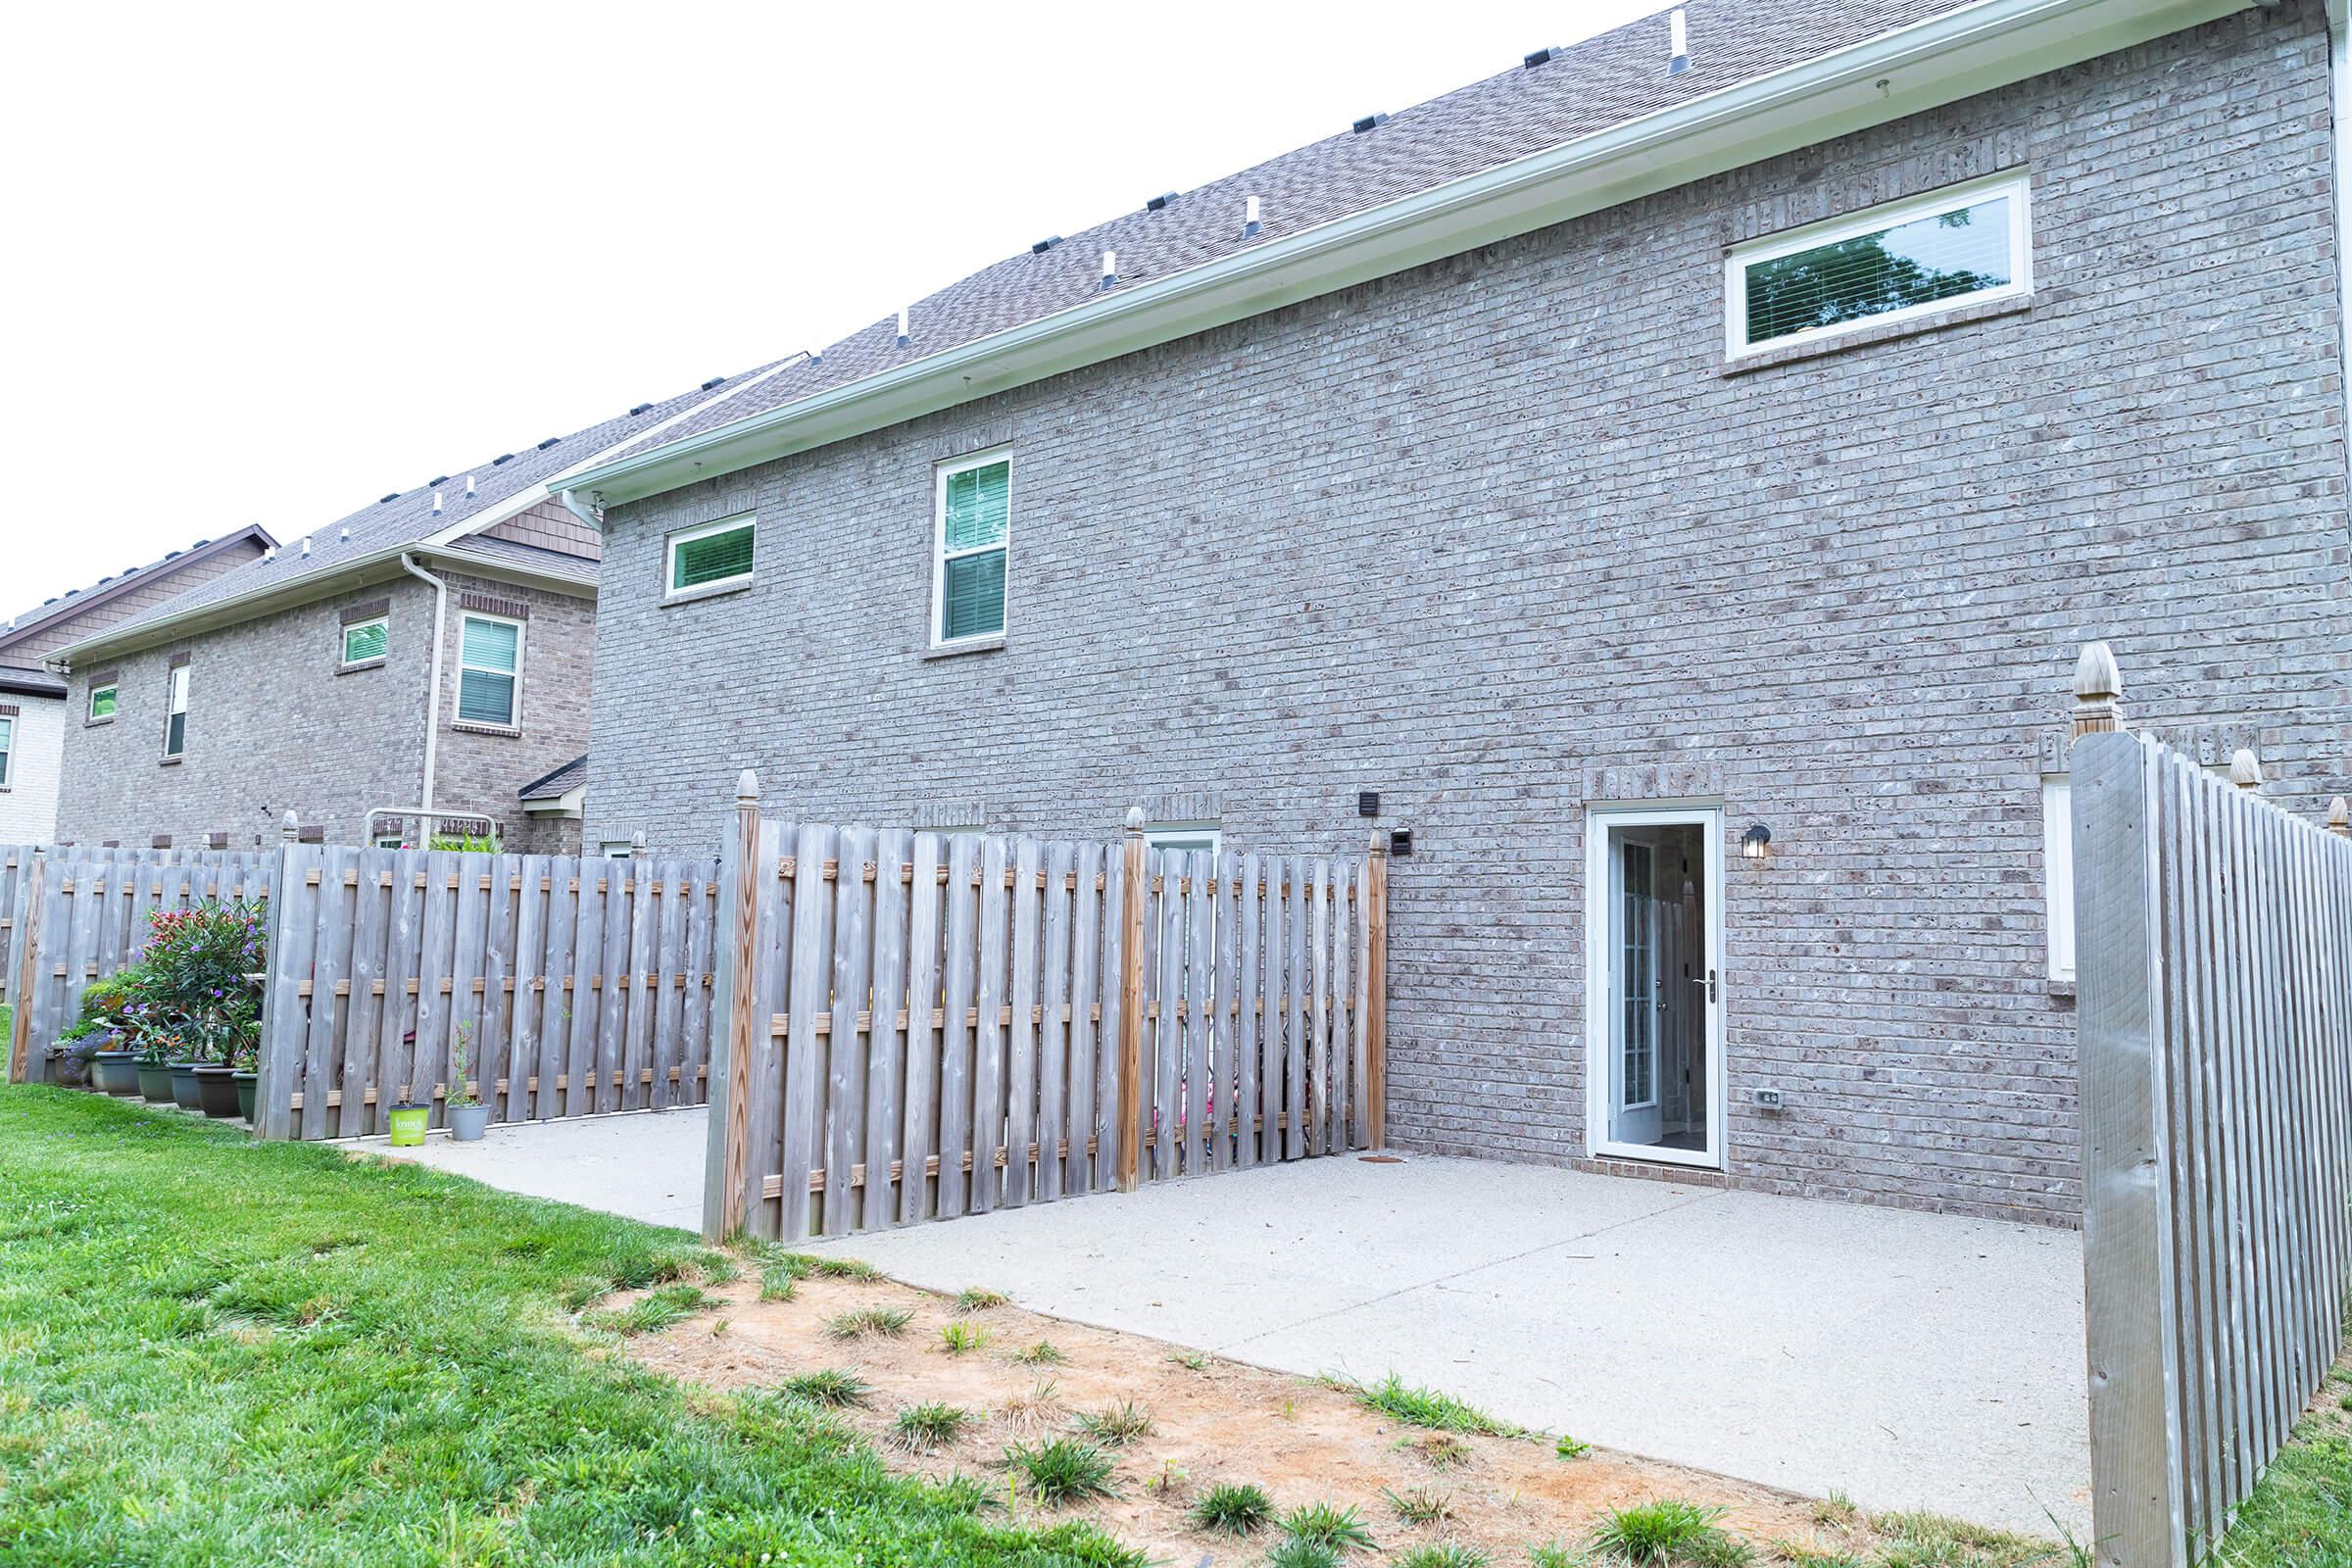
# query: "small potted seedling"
405,1120
468,1118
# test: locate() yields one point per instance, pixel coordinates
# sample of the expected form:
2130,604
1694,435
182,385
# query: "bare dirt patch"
1216,1422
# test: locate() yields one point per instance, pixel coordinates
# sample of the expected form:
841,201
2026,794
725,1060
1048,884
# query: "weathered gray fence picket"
2214,965
75,915
574,986
914,1025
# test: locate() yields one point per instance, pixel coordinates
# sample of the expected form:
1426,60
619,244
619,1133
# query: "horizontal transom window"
711,556
1902,259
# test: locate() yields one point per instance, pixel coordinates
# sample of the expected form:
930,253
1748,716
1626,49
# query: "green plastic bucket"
408,1126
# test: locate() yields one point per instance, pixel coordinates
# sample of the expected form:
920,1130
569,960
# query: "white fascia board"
1965,52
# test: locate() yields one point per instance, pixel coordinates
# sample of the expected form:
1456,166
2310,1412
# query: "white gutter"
1955,56
2339,95
432,702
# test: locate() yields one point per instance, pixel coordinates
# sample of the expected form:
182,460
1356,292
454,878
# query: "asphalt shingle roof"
562,781
24,627
1604,81
408,517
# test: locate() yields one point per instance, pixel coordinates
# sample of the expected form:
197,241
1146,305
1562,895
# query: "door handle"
1708,982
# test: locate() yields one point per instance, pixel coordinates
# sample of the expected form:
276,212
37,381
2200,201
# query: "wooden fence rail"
2214,967
577,986
72,915
917,1026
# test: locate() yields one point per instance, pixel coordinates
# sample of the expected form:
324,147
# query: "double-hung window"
8,751
716,554
974,525
489,671
176,723
1891,262
366,641
102,703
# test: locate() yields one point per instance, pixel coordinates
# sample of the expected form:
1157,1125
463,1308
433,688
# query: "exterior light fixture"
1755,841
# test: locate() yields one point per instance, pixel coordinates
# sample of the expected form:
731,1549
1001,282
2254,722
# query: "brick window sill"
695,596
970,644
1883,333
365,663
468,727
169,761
97,723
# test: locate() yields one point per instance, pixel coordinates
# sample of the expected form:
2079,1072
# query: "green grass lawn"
217,1351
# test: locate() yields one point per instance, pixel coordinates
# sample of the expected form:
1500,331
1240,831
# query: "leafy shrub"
187,998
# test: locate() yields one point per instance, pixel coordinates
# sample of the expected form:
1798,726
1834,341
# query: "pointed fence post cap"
2245,769
2339,817
2098,685
289,827
747,787
1134,819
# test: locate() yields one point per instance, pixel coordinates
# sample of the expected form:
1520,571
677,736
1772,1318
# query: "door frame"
1600,924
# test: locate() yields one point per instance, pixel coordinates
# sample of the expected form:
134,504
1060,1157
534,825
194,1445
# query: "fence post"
2098,686
2245,769
21,992
2138,1503
1376,991
1131,1008
2339,817
279,1067
726,1172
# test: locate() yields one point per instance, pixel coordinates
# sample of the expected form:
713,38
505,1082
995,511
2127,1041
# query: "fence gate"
72,915
913,1026
2214,965
573,986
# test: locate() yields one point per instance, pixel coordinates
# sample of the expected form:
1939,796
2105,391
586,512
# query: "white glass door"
1654,1069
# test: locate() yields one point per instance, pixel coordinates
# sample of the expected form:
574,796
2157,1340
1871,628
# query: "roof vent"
902,327
1110,269
344,537
1369,122
438,480
1045,245
306,547
639,409
553,440
174,555
270,554
306,544
394,496
1541,57
1159,201
713,381
503,457
469,484
1249,213
1678,31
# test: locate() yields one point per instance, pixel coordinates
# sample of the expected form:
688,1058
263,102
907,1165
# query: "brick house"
1676,474
33,695
429,653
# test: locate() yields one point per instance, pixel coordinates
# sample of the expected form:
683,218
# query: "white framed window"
614,849
971,530
8,750
2058,870
175,721
1888,263
1186,836
716,554
366,641
489,671
102,703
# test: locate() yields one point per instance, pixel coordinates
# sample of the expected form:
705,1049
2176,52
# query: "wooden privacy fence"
2213,965
577,985
914,1026
73,915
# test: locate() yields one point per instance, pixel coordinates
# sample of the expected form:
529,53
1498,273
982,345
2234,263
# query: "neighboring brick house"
1638,448
303,680
33,696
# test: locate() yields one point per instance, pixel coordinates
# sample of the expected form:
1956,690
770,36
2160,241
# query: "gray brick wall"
273,725
1500,538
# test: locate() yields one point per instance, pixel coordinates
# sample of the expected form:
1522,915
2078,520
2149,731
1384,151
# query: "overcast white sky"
265,264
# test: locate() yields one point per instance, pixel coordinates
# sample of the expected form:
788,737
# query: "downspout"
432,702
2339,104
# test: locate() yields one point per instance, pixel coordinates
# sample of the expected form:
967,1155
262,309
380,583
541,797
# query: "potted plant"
245,1069
155,1070
468,1118
183,1061
95,1040
118,1067
408,1124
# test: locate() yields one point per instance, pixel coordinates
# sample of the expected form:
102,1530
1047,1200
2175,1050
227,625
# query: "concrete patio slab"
1910,1360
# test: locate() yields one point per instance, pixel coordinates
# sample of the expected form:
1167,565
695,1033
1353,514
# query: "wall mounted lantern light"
1756,841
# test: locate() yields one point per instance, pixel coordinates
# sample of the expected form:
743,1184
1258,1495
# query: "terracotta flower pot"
184,1093
117,1071
217,1093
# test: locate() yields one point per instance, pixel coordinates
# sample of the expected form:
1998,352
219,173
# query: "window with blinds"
974,528
712,556
8,749
1893,261
367,640
489,669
